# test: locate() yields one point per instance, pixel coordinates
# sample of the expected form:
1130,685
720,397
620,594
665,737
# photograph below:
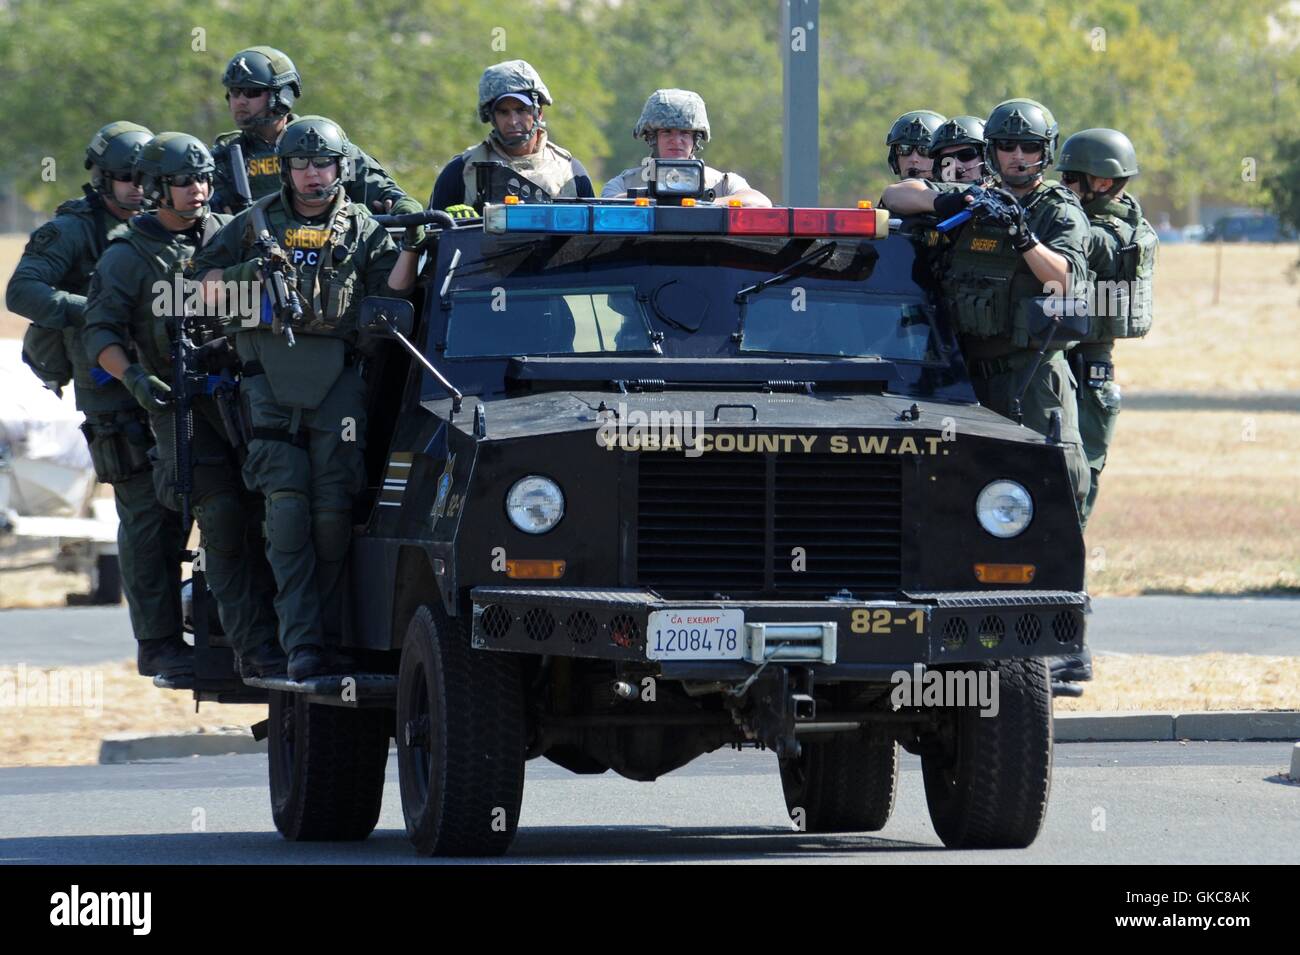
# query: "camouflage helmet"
512,76
958,131
112,152
673,109
1104,153
264,67
914,128
165,156
310,136
1020,120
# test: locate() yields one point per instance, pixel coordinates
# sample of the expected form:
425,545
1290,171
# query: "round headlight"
535,504
1004,508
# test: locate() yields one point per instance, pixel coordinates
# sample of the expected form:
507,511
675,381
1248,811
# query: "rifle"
280,282
239,173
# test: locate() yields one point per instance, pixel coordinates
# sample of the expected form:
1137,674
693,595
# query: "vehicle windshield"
548,321
819,321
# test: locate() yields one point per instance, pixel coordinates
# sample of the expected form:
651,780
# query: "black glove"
1022,237
150,391
948,204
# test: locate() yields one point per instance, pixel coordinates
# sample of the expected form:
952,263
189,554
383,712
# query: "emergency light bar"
642,218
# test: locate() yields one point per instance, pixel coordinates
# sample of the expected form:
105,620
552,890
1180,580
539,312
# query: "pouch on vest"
1137,262
45,354
119,447
300,377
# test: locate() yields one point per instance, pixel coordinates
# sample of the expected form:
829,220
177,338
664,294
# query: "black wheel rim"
416,729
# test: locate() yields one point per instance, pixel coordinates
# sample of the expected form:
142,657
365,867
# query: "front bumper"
872,637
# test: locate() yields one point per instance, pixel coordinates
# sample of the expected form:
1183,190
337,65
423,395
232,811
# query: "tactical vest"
260,161
550,166
987,286
324,259
94,219
1123,290
167,255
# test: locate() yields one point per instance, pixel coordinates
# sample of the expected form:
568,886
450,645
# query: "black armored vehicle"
662,477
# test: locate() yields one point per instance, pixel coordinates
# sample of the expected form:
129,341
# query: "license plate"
705,634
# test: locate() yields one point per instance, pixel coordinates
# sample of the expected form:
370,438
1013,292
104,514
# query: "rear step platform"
337,689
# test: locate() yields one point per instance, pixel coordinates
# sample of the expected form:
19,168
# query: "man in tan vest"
511,96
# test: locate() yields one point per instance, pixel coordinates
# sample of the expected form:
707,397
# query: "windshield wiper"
811,260
814,258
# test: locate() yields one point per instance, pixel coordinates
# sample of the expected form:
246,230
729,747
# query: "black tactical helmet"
167,156
264,67
112,152
1020,120
958,131
1104,153
915,128
310,136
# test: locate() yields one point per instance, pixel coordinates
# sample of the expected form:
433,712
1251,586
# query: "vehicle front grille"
769,524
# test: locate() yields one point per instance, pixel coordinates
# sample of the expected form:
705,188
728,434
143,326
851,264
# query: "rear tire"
843,784
460,740
988,789
326,767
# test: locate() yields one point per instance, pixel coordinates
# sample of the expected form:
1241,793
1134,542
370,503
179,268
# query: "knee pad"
288,520
222,521
332,531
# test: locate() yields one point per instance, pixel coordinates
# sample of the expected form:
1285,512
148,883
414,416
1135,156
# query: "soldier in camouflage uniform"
129,309
49,287
262,85
511,96
306,403
957,150
675,125
991,272
1096,165
909,143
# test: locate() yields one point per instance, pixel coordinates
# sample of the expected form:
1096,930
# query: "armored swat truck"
660,477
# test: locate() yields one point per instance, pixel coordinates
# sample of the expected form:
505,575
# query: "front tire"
460,740
987,788
843,784
326,768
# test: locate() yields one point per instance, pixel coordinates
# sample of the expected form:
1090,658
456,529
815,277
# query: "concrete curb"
1264,726
130,748
1229,725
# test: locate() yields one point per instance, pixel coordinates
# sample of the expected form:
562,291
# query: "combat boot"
305,662
170,658
263,661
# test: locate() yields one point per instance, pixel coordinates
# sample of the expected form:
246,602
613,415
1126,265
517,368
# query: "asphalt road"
1163,624
1110,803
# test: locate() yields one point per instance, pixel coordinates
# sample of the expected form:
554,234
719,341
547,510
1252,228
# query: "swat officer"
993,270
1096,165
132,299
262,85
511,96
957,150
675,125
909,143
49,287
306,401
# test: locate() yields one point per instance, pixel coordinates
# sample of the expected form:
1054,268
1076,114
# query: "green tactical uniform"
307,404
987,288
49,287
1117,225
371,183
121,310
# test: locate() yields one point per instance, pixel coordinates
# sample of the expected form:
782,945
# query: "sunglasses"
250,92
1071,178
120,176
1029,148
320,162
964,155
182,181
909,150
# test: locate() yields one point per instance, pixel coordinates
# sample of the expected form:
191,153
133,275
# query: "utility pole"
800,172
